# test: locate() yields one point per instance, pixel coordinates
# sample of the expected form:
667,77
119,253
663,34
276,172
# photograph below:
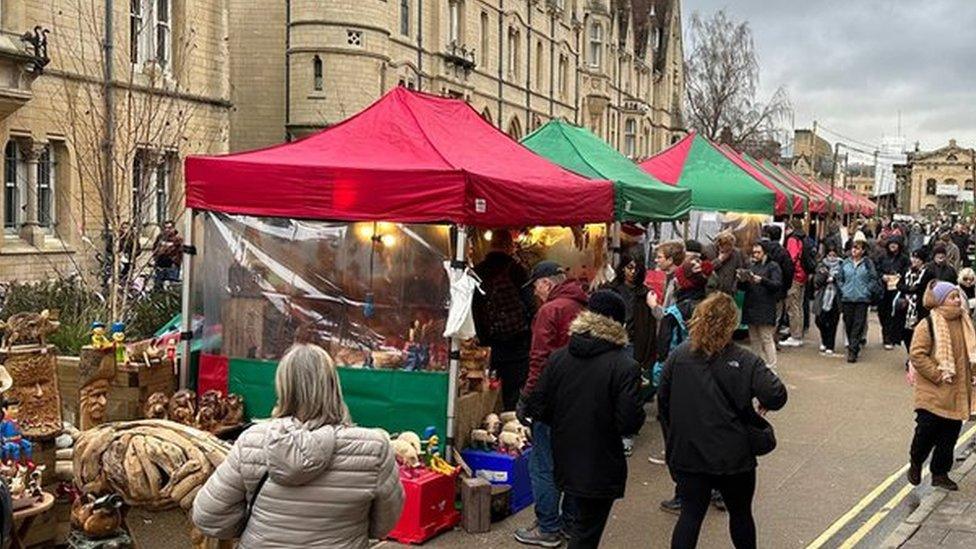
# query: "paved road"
844,431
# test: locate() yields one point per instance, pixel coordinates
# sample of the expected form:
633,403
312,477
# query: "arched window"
513,53
540,72
455,21
515,129
969,184
485,44
486,114
630,138
45,188
405,17
930,187
317,73
596,44
952,158
11,189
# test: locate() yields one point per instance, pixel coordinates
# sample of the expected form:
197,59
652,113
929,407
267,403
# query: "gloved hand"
520,411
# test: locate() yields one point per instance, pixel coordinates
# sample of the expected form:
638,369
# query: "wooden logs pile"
152,463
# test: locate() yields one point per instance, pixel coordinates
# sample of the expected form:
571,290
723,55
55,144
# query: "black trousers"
510,359
855,324
827,322
696,493
906,337
892,321
591,519
935,435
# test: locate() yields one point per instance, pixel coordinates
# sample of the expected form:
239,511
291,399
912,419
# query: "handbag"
759,431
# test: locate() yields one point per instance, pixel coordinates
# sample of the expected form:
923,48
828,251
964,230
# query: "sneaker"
829,352
717,500
944,482
672,506
888,346
790,342
915,474
534,536
823,348
851,356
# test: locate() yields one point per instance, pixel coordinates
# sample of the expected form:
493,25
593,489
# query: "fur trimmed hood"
599,327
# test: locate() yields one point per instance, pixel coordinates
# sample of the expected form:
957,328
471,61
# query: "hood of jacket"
592,334
297,454
570,289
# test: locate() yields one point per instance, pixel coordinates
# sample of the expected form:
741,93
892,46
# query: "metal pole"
460,248
833,178
972,154
615,243
186,320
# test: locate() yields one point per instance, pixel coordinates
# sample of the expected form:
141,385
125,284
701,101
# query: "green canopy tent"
716,182
639,196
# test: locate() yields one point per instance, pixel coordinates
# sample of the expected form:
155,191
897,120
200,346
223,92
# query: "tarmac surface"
836,478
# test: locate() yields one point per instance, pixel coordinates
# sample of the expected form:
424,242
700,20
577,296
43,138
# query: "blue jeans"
544,491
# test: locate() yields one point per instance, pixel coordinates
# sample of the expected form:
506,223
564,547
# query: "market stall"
342,239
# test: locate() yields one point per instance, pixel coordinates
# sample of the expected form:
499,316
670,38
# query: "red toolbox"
428,507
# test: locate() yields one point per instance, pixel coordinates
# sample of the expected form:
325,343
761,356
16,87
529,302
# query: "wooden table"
25,517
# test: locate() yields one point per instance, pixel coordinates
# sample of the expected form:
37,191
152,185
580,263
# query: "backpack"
677,337
808,256
504,308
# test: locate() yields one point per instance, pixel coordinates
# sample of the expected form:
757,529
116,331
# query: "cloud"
852,65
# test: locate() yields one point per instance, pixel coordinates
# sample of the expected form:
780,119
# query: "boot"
944,482
915,474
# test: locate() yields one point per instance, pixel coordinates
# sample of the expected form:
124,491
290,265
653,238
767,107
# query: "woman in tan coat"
942,353
312,479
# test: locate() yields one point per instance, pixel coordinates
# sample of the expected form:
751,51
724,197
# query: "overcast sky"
853,64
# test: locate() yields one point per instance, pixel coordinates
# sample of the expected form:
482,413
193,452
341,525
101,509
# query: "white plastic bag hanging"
460,322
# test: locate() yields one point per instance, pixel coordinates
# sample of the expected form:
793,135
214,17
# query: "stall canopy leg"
615,243
186,321
460,247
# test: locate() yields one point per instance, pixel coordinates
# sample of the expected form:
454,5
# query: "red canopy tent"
410,157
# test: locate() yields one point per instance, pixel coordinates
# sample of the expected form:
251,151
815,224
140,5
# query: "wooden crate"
129,393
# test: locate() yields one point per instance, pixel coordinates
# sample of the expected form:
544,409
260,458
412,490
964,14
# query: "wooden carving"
28,329
35,385
96,371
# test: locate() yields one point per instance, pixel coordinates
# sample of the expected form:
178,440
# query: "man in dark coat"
563,299
762,284
588,395
892,268
778,254
502,315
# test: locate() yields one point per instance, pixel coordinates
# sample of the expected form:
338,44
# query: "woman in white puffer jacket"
327,484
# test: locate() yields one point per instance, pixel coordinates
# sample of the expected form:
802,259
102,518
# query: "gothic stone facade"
169,56
614,67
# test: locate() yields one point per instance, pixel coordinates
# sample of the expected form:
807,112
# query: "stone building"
860,179
72,173
812,155
933,180
613,66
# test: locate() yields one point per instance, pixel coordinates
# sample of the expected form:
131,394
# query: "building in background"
860,179
613,66
942,179
87,149
813,155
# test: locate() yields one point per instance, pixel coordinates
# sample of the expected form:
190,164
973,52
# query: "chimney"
952,143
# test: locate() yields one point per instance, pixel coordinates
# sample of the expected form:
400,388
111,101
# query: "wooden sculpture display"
32,367
28,329
213,412
96,371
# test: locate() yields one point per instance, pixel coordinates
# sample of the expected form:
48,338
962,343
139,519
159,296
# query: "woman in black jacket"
707,384
892,267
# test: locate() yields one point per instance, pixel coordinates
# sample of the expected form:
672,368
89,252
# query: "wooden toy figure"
15,448
118,340
98,339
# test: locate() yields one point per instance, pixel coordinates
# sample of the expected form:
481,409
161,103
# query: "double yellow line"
869,499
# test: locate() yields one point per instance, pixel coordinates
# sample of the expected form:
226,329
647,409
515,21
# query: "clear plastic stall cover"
364,291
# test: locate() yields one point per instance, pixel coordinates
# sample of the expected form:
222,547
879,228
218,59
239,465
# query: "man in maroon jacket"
562,300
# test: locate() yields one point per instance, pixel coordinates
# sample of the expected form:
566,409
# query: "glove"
520,411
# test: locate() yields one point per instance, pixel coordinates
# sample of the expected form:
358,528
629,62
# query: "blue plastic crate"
499,468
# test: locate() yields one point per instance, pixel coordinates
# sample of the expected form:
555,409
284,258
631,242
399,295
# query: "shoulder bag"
250,504
762,438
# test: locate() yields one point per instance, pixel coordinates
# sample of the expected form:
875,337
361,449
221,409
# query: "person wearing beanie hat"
859,287
943,355
586,420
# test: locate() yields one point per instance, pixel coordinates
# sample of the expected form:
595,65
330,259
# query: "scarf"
830,291
944,358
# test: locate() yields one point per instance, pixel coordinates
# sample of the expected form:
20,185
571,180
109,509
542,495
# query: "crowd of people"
580,362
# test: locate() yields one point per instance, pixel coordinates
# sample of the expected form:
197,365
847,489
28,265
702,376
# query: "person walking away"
668,257
892,267
960,237
953,254
777,253
859,287
804,263
761,284
940,268
312,478
967,283
708,384
562,299
942,353
727,262
588,396
912,289
673,331
826,304
502,314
